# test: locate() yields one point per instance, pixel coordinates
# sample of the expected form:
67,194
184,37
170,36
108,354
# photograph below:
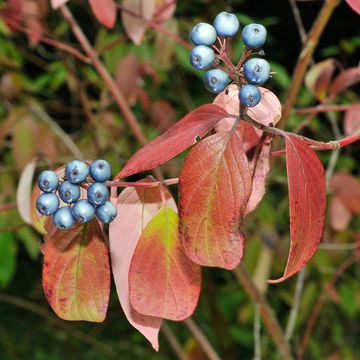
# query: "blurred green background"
161,87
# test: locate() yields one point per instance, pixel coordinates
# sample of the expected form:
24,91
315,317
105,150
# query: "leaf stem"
166,182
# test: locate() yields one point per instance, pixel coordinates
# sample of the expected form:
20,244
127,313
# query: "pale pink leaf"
105,11
344,80
55,4
355,5
340,215
164,10
352,120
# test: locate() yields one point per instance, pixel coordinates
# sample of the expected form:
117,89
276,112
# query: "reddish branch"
166,182
323,108
6,207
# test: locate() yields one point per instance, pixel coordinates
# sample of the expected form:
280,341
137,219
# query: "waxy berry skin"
216,80
106,213
203,34
83,211
249,95
76,171
98,194
226,24
254,36
47,203
68,192
48,181
63,218
202,57
256,71
100,170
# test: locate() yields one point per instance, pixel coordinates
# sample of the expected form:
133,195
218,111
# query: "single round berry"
249,95
100,170
254,36
83,211
226,24
203,34
63,218
47,203
202,57
69,192
48,181
256,71
106,213
216,80
98,194
76,171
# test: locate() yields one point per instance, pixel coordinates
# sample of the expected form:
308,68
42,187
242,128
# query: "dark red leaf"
344,80
178,138
105,11
307,199
214,188
76,272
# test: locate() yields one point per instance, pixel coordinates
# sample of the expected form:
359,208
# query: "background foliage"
43,89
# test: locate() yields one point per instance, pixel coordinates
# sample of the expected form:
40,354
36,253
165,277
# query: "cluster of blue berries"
69,191
248,74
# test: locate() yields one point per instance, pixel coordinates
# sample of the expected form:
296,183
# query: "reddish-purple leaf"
135,16
352,120
178,138
344,80
104,11
355,5
307,201
163,282
214,188
76,272
136,207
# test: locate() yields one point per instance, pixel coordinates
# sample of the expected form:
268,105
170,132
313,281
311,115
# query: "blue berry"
202,57
100,170
254,36
83,211
47,203
249,95
69,192
226,24
203,34
76,171
63,218
256,71
216,80
48,181
98,194
106,213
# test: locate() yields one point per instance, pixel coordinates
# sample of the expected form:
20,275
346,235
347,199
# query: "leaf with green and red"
163,282
307,202
214,188
105,11
76,272
136,207
355,5
352,120
344,80
178,138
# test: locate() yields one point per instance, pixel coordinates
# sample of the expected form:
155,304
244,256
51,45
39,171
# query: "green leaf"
8,250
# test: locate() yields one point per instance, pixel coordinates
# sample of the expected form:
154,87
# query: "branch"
267,314
323,108
173,342
6,207
305,57
165,182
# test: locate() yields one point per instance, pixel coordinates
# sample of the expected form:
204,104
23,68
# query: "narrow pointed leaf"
175,140
344,80
307,201
136,207
104,11
214,187
163,282
76,273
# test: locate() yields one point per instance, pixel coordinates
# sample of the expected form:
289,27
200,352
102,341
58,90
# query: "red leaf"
344,80
340,215
307,198
105,11
76,273
136,207
214,188
355,5
135,16
352,120
178,138
163,282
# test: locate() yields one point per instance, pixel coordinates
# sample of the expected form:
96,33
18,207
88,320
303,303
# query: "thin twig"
173,341
6,207
116,183
305,57
202,339
257,333
323,108
267,314
298,20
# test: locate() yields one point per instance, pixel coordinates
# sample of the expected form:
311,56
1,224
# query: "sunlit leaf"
105,11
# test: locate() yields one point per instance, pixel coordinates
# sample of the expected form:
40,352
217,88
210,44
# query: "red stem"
166,182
